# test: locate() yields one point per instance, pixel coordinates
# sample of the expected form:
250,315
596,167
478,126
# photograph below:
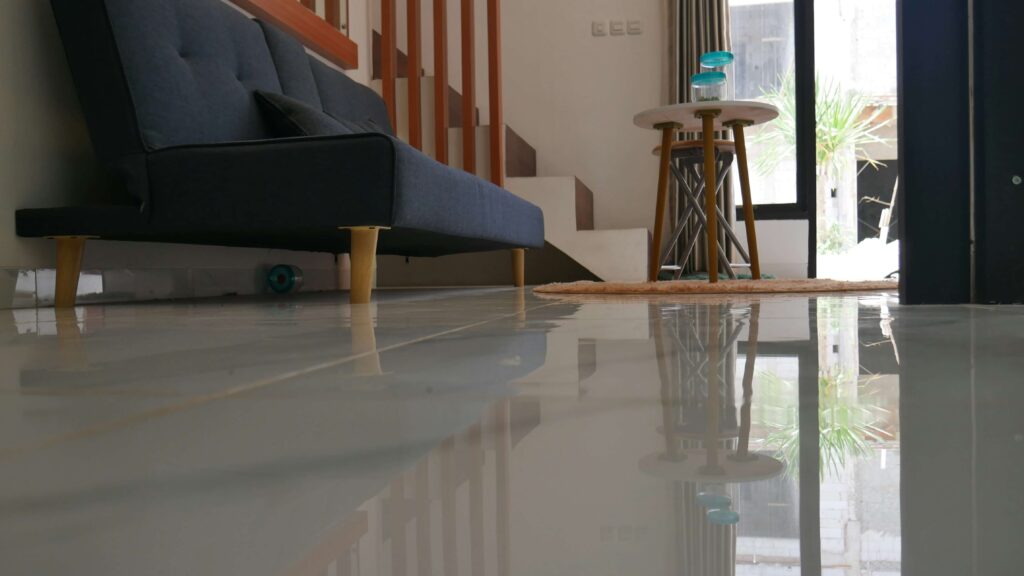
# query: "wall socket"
599,28
617,27
634,27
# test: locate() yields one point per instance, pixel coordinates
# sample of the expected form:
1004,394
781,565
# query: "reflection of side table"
705,117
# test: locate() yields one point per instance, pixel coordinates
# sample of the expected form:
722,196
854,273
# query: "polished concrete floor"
490,432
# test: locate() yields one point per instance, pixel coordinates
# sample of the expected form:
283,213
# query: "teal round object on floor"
284,279
714,500
723,517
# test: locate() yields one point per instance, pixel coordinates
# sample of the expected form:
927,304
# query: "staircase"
610,255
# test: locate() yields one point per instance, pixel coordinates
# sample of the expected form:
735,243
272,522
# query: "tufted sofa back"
158,73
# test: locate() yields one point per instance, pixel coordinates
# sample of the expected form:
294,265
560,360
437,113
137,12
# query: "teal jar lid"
717,59
713,500
708,79
723,517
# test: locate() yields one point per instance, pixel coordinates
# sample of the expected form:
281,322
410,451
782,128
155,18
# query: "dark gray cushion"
191,67
289,117
297,193
293,67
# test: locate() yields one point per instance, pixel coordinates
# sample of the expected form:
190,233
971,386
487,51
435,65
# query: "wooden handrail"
468,87
311,30
389,58
414,66
494,81
441,122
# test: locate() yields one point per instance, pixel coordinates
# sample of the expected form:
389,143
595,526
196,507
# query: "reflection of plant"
845,426
842,124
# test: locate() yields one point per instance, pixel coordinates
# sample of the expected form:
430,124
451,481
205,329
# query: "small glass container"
721,61
707,87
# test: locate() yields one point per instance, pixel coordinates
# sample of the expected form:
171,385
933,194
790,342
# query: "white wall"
782,246
573,96
45,155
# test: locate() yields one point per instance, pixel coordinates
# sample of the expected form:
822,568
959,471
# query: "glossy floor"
489,432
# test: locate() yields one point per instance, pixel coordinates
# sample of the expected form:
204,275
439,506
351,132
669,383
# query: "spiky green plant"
845,425
842,124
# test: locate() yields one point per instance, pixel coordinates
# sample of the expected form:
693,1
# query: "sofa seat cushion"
299,193
435,197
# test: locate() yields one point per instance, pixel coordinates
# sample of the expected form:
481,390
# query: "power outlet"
635,27
617,27
599,28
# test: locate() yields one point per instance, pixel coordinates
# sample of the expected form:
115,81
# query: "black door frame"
934,124
806,135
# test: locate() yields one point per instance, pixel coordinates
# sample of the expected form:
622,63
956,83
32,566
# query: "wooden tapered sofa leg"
69,266
364,263
519,267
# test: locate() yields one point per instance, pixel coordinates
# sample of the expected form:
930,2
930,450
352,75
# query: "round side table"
706,118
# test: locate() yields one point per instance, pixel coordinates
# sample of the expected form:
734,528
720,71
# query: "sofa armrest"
284,184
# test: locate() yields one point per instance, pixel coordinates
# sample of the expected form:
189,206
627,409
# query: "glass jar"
721,61
707,87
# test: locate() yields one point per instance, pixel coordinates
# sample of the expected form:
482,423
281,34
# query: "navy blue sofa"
167,88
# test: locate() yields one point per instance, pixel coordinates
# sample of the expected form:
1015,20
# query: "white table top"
685,114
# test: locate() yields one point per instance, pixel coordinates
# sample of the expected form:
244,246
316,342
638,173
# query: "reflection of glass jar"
721,61
707,87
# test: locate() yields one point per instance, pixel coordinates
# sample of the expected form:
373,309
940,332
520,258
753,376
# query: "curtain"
703,27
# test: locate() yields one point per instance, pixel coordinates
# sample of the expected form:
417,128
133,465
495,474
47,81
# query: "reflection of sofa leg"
364,260
519,267
69,267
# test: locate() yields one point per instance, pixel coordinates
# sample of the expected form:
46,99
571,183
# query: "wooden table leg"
710,187
668,132
748,205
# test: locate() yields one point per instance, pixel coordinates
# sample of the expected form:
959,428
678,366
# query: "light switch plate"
635,27
599,28
617,27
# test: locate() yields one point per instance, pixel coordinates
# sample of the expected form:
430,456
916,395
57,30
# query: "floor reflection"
724,490
493,433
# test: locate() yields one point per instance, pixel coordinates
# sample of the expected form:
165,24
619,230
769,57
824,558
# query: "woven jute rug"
808,286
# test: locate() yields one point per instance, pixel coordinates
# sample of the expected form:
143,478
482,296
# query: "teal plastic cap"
717,59
723,517
713,500
708,79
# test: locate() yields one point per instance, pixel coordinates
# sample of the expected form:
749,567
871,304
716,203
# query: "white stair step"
611,255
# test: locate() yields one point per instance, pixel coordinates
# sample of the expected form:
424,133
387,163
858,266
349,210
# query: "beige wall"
573,96
45,155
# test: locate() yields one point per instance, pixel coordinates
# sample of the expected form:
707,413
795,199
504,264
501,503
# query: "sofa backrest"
157,73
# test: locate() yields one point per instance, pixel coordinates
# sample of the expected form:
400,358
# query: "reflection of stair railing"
409,501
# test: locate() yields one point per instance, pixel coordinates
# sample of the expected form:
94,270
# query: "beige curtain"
703,27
